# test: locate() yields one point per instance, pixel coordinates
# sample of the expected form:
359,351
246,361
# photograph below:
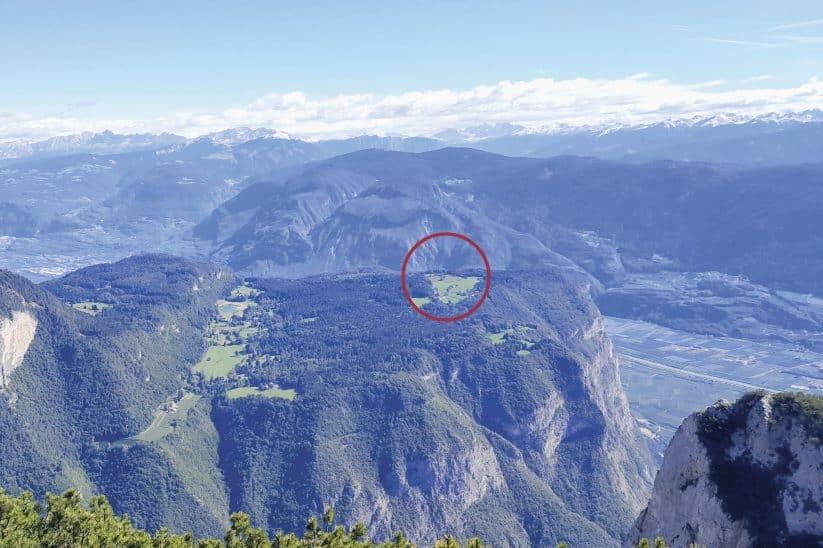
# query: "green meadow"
245,391
219,361
513,335
164,421
450,289
91,307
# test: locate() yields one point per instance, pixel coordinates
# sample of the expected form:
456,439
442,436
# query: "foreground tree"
67,522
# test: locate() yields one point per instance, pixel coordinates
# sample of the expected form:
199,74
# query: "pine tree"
358,532
447,542
328,516
65,521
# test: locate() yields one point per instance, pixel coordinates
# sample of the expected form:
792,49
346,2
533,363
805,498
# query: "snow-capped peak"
238,135
105,142
477,133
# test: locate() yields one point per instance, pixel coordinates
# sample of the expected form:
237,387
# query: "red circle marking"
473,309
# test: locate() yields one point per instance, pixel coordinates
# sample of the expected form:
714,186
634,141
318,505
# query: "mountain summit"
742,474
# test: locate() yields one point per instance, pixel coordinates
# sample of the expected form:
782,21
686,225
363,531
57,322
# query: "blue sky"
143,61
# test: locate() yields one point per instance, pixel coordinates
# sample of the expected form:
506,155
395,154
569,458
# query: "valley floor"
668,374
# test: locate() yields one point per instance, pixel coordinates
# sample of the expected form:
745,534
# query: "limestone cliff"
742,474
16,334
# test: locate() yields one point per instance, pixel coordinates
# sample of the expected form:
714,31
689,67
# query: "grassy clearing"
245,391
500,336
92,308
230,309
513,335
247,331
221,333
421,301
164,421
218,332
451,289
219,361
227,337
245,292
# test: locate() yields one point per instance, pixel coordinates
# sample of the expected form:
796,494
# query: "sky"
339,68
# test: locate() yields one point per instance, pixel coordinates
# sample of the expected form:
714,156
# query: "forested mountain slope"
419,425
367,208
86,381
183,396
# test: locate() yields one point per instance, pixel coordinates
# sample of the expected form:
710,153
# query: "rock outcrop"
742,474
16,334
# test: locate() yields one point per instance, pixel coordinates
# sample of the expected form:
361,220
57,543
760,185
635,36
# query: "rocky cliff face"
743,474
16,334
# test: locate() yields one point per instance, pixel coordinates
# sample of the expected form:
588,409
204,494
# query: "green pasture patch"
244,291
275,392
421,301
450,289
219,361
163,423
92,308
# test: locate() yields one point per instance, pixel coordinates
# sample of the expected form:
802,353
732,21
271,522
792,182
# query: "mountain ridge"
600,218
491,136
468,436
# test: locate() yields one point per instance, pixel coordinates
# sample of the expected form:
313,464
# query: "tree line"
65,521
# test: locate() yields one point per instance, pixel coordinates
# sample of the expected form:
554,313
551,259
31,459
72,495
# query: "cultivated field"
668,374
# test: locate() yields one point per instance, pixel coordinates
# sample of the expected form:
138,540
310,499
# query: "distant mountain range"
107,143
597,218
286,207
775,138
753,141
86,143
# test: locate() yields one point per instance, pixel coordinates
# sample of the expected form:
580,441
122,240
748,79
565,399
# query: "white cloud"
759,78
536,103
745,43
801,24
809,40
